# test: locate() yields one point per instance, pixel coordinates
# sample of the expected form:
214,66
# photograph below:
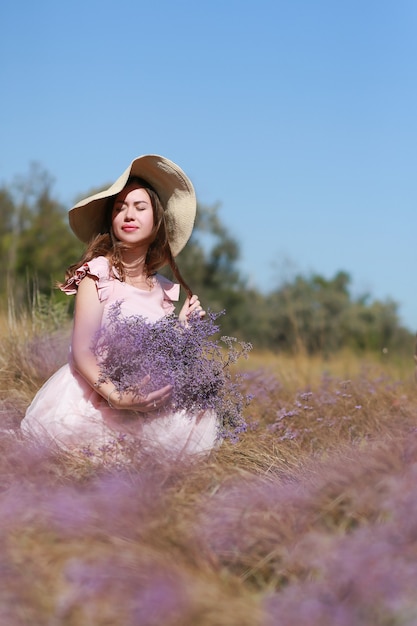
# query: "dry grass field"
309,520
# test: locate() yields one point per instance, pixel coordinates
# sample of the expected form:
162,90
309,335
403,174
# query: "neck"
134,261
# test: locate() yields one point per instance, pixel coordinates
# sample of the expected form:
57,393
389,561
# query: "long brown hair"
105,243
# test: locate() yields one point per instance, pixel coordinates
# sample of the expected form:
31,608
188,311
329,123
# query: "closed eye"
140,206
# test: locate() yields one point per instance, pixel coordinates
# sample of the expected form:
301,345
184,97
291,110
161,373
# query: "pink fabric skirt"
69,413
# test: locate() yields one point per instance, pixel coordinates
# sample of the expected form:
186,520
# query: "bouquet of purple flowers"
186,356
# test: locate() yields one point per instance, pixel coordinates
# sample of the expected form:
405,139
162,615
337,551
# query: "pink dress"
70,413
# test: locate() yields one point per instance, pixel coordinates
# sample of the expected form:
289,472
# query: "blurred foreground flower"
188,357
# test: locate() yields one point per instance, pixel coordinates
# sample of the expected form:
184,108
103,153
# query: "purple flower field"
309,518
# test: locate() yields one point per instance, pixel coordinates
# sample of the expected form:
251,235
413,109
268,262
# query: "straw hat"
174,188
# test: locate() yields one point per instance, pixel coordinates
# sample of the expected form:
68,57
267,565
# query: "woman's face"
132,216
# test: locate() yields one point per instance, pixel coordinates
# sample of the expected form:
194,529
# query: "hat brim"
175,191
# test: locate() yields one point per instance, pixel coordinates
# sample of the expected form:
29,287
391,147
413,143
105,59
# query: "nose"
130,212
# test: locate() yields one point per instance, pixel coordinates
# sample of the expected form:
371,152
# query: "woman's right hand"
146,403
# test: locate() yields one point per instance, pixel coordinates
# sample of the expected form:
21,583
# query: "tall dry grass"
310,519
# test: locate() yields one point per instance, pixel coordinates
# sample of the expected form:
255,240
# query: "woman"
136,226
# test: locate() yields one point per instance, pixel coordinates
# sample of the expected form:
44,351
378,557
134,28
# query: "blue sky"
298,117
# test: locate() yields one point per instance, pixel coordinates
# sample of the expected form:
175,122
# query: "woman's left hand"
191,305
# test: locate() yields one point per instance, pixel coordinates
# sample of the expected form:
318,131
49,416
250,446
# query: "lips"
129,229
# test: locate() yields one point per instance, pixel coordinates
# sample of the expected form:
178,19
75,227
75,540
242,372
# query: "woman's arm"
87,321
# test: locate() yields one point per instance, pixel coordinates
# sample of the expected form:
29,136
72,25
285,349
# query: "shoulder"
171,290
98,269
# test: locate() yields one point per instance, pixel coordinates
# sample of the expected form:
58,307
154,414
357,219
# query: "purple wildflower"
139,357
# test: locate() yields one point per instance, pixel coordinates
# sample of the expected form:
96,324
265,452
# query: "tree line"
308,312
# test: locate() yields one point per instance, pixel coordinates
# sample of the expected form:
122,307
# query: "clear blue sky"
299,117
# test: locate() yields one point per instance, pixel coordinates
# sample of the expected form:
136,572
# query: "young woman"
132,229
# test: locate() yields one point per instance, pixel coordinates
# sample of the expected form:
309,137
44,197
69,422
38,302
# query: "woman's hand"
191,305
153,401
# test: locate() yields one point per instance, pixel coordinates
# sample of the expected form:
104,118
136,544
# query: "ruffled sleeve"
98,269
171,291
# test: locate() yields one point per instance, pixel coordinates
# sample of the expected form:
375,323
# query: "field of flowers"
310,519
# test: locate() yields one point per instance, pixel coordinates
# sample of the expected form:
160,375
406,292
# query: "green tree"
319,315
7,212
36,243
209,264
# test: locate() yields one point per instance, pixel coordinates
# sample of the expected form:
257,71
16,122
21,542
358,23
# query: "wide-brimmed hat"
175,191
